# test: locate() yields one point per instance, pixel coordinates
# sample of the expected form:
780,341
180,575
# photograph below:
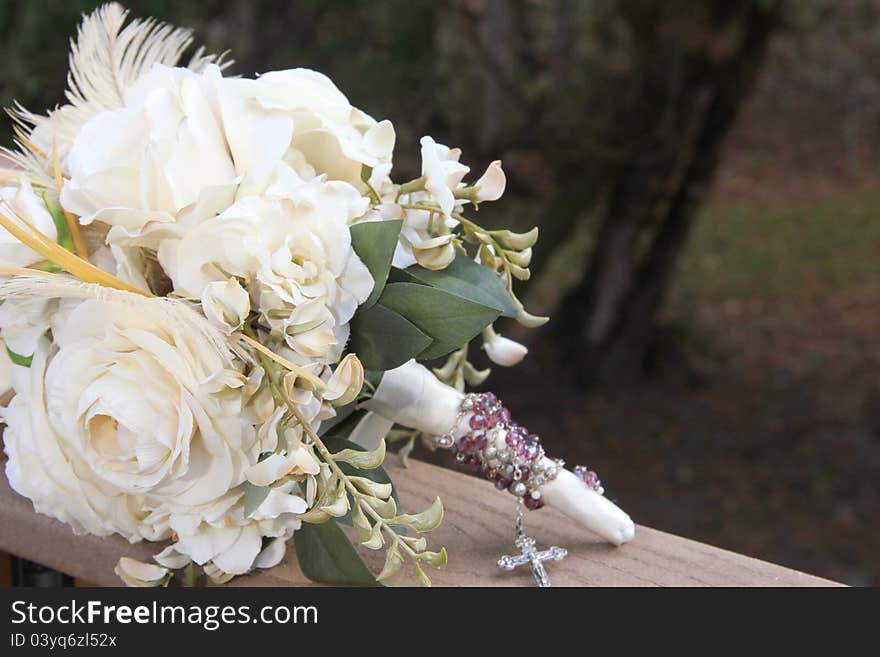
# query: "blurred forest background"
705,177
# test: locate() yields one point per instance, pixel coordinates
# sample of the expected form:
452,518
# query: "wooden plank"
476,530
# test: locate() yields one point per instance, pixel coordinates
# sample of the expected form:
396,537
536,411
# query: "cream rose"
328,136
128,425
293,254
149,159
180,132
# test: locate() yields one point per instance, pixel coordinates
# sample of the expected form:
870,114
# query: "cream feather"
176,314
105,59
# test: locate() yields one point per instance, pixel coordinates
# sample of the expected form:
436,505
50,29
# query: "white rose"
328,135
126,425
24,202
181,131
295,255
149,159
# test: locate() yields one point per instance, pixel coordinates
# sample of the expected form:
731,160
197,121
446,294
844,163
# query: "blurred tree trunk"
692,71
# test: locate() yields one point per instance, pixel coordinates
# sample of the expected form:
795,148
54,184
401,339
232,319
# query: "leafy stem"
359,498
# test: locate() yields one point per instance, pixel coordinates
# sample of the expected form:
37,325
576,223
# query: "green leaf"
383,340
253,497
18,359
467,279
61,228
450,320
339,423
437,349
374,242
326,555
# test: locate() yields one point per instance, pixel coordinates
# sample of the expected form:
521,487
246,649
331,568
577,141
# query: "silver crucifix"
534,558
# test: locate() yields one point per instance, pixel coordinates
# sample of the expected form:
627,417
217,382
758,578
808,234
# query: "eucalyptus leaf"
383,339
448,319
467,279
253,497
326,555
374,242
18,359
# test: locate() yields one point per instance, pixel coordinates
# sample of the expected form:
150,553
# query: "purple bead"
502,416
530,451
500,484
478,421
532,439
512,439
525,472
532,503
490,399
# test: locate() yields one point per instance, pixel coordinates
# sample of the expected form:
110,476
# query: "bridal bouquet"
204,279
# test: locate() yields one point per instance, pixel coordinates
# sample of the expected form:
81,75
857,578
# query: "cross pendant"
534,558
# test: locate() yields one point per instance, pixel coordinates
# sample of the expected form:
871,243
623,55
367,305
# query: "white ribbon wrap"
412,396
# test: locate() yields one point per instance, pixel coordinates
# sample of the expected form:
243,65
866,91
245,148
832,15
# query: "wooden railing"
477,530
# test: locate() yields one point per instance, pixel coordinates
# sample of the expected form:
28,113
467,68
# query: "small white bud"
502,351
226,304
139,574
435,253
491,184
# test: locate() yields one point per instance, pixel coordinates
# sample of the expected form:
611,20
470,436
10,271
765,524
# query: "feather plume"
176,314
105,59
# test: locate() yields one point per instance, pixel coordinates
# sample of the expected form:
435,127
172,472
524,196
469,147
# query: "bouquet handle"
412,396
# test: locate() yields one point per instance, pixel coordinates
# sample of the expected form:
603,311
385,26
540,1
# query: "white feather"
105,59
176,314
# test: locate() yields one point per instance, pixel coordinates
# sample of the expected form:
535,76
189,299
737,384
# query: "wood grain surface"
477,530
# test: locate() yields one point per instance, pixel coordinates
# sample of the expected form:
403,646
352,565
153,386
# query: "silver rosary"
534,558
512,458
